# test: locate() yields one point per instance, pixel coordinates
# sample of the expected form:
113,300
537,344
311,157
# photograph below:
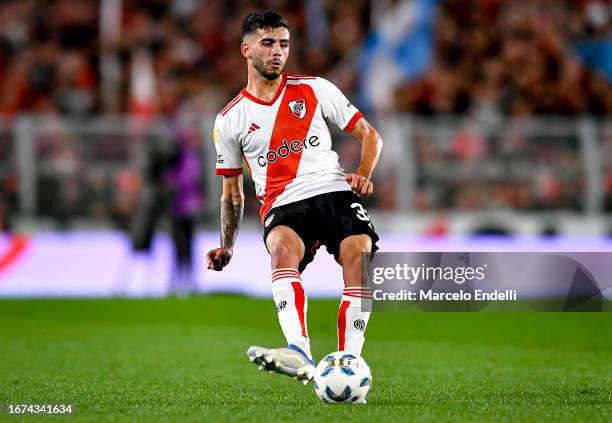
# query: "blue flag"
398,49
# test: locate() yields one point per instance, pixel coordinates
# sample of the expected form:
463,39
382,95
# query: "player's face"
268,49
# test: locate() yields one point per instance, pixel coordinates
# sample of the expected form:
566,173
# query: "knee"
283,253
279,248
351,249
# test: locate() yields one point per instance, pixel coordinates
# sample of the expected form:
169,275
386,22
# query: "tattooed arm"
232,206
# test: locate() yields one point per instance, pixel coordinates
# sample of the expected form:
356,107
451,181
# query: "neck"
260,87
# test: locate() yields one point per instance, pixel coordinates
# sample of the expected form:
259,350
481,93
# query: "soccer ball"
342,377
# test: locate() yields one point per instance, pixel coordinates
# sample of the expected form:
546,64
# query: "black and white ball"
342,377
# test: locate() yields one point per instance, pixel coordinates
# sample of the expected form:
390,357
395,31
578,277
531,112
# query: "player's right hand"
218,258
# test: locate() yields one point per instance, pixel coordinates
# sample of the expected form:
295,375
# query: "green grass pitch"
184,360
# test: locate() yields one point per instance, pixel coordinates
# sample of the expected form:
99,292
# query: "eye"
284,44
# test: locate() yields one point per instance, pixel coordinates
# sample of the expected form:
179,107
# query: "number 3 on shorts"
362,214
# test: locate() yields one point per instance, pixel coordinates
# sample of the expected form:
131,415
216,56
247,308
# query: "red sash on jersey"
287,126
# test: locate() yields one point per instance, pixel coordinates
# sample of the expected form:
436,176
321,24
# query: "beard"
260,66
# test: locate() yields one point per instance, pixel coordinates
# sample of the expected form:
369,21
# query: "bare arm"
232,207
371,147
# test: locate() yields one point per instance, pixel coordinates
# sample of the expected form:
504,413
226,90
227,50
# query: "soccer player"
279,125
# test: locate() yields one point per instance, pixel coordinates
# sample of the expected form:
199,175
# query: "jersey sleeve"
229,154
336,107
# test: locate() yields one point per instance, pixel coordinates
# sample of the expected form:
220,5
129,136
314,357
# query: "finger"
347,178
210,263
218,254
213,259
370,189
362,183
354,182
209,257
365,188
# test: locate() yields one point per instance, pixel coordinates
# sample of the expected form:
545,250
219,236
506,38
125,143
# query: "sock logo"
281,306
359,324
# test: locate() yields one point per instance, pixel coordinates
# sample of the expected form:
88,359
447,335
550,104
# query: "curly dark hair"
265,19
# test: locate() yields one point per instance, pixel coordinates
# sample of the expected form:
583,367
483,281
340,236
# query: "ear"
245,50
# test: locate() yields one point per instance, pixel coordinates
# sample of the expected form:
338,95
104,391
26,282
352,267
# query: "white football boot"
289,360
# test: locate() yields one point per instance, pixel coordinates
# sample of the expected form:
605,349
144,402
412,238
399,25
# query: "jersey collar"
271,102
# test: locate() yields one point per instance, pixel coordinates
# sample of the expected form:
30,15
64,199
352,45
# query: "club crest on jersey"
298,108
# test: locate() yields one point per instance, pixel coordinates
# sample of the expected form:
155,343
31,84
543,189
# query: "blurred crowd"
499,58
495,57
491,58
54,56
520,166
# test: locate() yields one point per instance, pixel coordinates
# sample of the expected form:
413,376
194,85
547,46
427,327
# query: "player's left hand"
361,185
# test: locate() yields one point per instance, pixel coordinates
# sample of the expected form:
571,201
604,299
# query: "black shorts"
324,219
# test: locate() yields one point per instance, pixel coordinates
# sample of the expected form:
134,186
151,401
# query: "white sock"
353,316
291,305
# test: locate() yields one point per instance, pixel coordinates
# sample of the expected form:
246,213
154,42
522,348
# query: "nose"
276,50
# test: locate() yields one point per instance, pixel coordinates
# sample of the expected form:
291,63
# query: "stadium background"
496,121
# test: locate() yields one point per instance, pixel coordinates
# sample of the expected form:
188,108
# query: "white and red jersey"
285,142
